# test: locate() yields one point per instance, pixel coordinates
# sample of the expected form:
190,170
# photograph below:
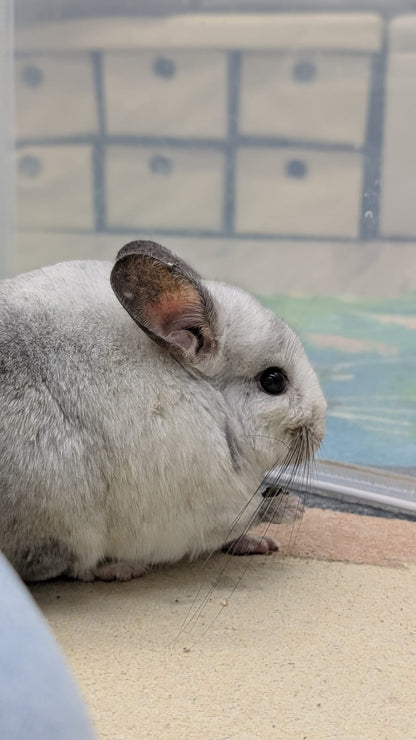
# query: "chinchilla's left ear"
166,298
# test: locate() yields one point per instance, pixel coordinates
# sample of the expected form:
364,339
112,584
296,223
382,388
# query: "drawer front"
164,187
37,248
313,97
177,94
298,192
55,188
398,212
55,95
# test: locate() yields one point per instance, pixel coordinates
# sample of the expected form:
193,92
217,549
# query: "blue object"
38,698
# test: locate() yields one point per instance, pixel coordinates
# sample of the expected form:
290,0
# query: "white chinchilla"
140,409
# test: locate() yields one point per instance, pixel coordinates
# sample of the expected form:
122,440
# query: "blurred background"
271,144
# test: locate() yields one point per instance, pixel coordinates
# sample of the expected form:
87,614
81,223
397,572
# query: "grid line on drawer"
98,145
230,145
233,90
370,203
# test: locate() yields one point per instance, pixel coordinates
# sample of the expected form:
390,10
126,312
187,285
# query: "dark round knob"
296,168
161,165
304,72
32,76
29,166
164,67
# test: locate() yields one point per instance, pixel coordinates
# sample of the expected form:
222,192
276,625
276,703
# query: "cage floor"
281,647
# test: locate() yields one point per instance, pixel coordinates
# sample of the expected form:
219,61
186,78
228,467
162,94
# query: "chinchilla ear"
166,298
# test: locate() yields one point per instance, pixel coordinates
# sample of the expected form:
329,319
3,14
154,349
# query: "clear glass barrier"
7,137
271,144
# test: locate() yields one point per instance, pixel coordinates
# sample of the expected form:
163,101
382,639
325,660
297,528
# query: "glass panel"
272,149
7,200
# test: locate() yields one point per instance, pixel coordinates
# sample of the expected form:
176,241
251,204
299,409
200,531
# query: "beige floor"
300,648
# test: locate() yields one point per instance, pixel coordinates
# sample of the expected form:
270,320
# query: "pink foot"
248,544
118,571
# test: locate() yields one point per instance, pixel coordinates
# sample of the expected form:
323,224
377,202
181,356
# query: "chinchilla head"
223,336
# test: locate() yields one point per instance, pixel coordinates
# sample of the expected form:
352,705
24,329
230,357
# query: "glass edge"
7,123
377,488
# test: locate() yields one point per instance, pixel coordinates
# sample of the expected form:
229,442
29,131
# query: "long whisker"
252,520
296,464
193,613
299,459
188,619
265,436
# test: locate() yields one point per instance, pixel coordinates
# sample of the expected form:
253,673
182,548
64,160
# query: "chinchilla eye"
273,381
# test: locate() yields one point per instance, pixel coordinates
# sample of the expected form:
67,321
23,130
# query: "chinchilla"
140,409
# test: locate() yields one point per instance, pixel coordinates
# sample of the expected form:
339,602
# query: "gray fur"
233,446
46,559
115,447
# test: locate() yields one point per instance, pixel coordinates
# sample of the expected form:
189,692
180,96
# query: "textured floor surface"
279,646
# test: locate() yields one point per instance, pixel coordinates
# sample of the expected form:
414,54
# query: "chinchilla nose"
308,434
318,420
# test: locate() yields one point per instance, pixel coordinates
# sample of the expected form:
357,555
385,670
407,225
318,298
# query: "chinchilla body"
133,427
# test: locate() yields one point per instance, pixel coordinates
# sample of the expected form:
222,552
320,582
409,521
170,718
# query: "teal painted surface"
365,355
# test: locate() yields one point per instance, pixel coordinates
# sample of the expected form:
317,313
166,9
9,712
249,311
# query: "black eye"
273,381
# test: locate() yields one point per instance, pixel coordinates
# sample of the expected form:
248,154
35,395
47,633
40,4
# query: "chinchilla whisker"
307,469
192,618
265,436
253,518
283,466
230,595
237,583
193,612
299,463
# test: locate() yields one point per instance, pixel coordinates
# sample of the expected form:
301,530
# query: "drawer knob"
161,165
296,168
30,166
164,67
32,76
304,72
